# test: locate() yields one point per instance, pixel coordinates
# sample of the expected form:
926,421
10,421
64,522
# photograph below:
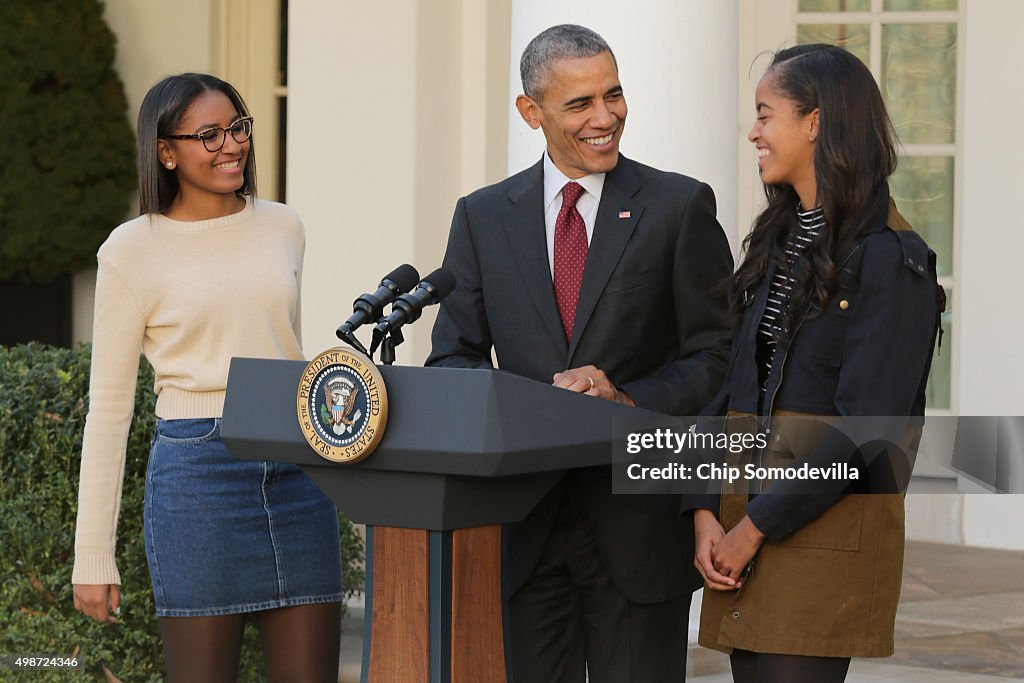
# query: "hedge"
67,162
43,401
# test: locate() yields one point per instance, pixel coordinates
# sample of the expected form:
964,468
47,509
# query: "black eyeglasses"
213,138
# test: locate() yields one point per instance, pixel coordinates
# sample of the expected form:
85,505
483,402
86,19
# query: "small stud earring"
170,164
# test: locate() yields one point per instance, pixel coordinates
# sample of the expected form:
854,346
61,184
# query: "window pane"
919,5
854,37
835,5
923,190
919,80
938,391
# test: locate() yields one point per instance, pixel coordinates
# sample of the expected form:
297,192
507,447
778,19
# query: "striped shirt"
780,291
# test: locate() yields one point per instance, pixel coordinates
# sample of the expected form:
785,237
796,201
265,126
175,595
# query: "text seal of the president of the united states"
342,405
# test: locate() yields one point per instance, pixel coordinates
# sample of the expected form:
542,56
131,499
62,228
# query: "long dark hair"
854,155
160,115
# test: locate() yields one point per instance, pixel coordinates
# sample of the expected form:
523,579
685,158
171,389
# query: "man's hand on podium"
592,381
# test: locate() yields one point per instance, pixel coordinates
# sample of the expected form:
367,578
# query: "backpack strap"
920,258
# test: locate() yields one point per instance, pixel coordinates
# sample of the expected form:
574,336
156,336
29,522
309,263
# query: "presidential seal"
342,405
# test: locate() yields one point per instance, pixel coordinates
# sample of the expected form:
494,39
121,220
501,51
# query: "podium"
464,451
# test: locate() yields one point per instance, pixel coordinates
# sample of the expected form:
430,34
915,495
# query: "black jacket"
867,354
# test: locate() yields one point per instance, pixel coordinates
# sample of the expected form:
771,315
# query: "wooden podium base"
434,606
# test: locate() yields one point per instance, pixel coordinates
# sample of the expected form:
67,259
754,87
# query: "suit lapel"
611,234
524,228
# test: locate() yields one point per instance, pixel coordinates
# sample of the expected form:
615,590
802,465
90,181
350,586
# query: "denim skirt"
226,536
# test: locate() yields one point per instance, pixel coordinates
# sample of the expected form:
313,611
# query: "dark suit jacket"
651,314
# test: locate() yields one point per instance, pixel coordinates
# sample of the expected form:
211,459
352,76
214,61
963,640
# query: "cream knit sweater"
189,295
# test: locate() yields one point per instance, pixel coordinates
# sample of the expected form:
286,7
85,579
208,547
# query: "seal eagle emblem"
340,398
342,405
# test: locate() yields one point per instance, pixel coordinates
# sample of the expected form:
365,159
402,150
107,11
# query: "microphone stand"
388,342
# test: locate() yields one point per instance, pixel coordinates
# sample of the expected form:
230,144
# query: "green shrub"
67,162
42,412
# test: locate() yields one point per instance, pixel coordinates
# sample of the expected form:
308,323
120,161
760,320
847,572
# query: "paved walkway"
961,620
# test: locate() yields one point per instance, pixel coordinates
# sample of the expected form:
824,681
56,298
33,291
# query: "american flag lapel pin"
624,214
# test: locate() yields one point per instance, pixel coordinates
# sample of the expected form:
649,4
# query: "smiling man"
601,276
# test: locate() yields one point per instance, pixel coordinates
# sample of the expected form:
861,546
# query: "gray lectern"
464,451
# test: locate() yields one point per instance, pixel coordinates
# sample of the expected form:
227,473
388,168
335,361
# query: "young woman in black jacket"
836,299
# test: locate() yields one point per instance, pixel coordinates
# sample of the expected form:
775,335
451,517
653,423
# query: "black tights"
300,644
755,667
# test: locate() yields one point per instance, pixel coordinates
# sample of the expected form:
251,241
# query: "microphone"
408,307
370,307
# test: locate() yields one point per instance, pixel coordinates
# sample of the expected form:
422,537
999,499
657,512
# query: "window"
913,49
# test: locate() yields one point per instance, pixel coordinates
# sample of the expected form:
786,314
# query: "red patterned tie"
570,255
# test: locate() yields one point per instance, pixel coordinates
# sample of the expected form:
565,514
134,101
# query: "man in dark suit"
601,276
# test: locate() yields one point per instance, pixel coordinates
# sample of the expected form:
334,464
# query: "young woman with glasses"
206,272
837,306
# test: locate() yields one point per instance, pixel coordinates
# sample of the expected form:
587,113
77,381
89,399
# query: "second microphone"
409,307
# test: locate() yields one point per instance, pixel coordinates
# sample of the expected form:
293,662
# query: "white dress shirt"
554,181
